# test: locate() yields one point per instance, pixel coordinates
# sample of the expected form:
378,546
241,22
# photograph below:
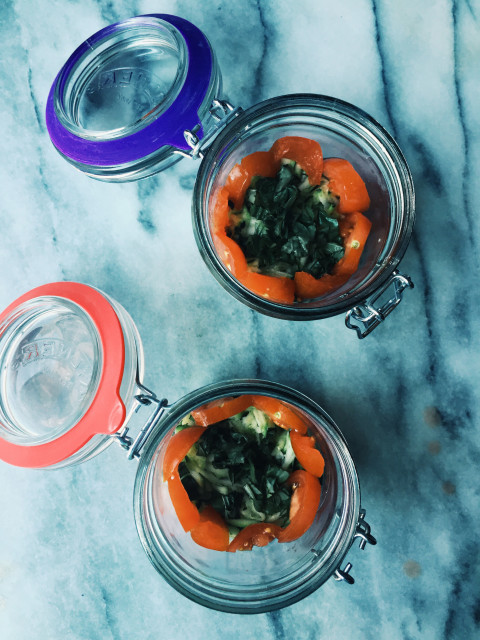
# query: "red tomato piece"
307,287
276,289
220,219
258,535
354,230
231,255
310,458
279,413
345,182
260,163
221,410
211,531
237,183
187,512
178,447
307,153
270,287
303,505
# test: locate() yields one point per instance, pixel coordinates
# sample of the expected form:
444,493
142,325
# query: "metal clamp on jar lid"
140,94
71,364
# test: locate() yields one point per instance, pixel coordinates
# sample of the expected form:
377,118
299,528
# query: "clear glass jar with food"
141,94
71,365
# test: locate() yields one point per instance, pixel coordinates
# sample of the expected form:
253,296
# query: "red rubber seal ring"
106,413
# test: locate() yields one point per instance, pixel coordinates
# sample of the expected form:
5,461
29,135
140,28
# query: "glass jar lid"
129,92
266,578
62,357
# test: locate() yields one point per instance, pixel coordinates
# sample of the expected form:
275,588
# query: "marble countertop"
406,398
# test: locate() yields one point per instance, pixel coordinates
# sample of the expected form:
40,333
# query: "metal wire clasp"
362,531
221,112
145,398
366,316
343,574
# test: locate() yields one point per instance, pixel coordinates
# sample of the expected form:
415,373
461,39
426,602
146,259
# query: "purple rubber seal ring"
166,130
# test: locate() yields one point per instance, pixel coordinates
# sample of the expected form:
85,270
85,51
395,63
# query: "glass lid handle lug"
343,574
363,531
365,317
220,109
145,398
222,112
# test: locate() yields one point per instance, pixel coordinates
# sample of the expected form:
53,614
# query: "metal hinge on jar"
365,317
363,532
222,113
145,398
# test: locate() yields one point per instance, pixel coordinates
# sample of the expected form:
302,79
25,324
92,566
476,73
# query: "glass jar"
343,131
266,578
140,94
71,366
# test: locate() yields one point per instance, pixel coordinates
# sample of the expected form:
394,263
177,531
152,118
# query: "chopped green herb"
287,225
239,466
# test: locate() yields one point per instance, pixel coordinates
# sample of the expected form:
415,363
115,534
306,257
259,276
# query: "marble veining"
406,398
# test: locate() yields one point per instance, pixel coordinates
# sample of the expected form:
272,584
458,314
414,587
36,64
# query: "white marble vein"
406,398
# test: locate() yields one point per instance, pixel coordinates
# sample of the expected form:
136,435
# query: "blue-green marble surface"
406,398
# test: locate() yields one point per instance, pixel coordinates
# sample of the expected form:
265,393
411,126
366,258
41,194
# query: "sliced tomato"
276,289
307,153
178,447
237,183
220,219
221,410
279,413
345,182
258,535
211,531
260,163
310,458
187,512
307,287
303,504
354,230
270,287
231,255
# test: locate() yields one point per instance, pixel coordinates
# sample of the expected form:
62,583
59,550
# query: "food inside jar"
242,472
288,224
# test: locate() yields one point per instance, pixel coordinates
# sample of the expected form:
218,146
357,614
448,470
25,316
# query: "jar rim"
336,110
293,588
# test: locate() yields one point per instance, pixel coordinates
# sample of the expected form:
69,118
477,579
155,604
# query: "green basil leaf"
283,229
